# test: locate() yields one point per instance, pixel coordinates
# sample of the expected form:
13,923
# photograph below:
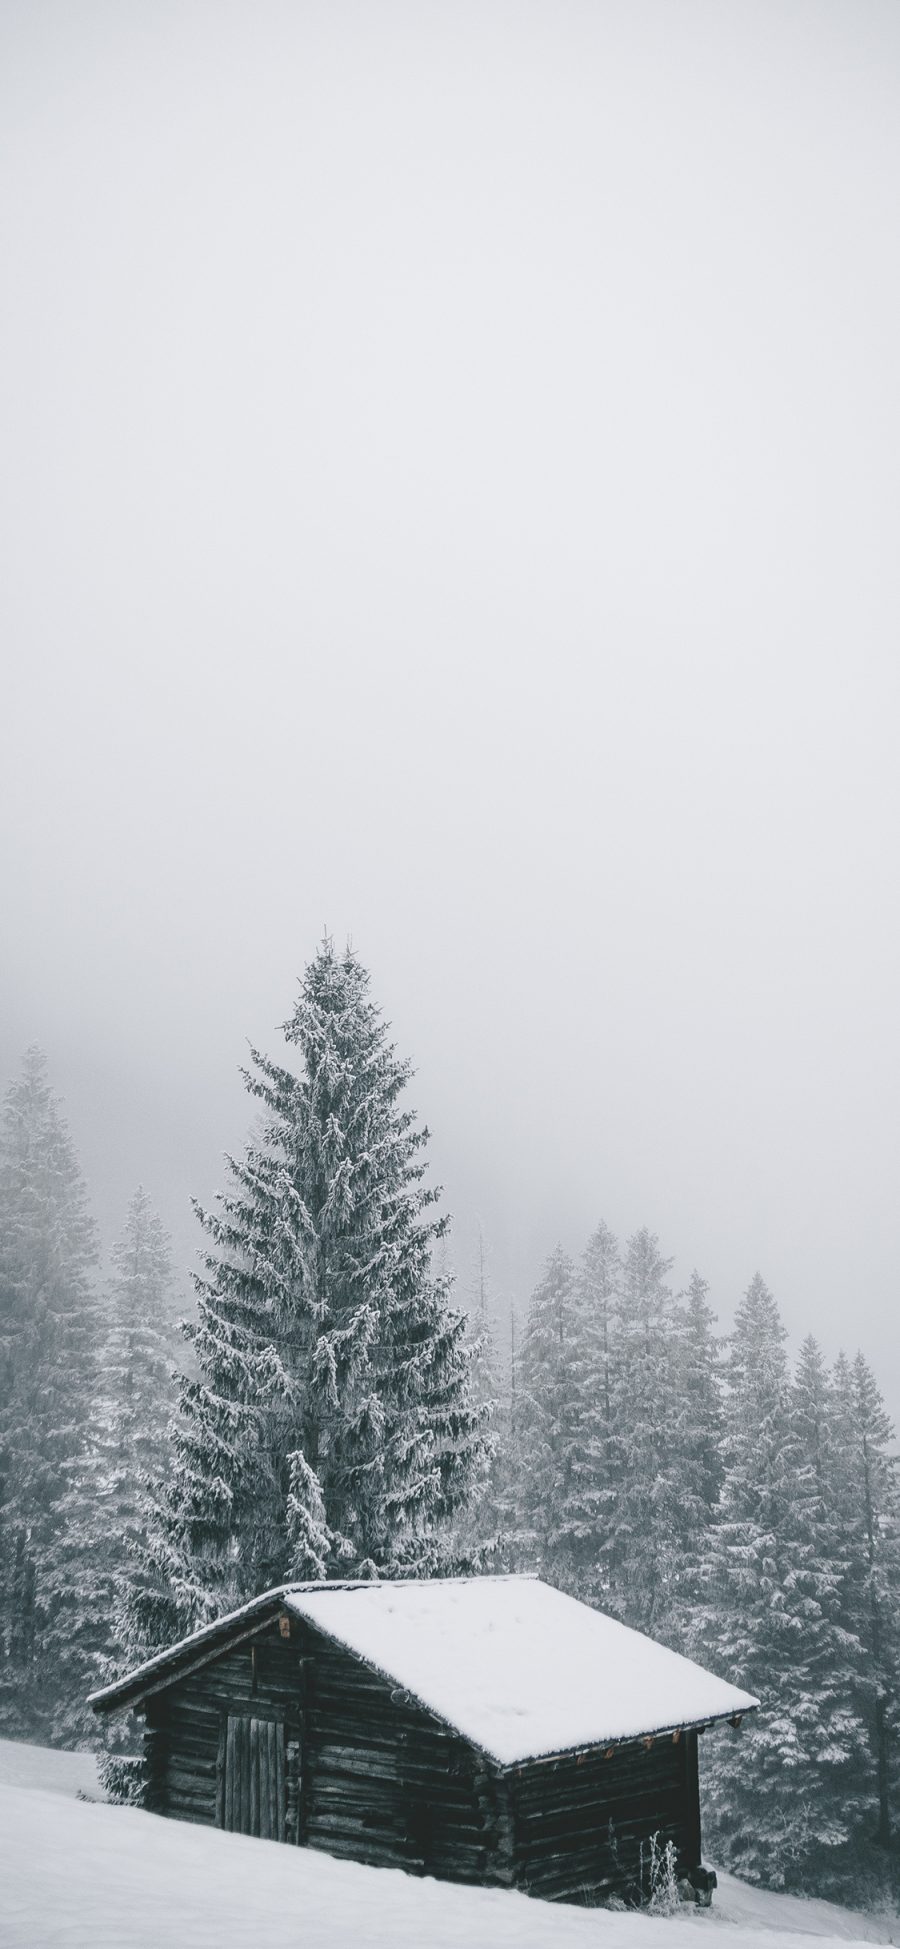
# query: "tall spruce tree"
781,1802
697,1430
139,1354
49,1334
478,1308
330,1428
644,1531
595,1483
831,1776
483,1526
126,1425
747,1802
134,1405
868,1513
511,1547
700,1417
549,1424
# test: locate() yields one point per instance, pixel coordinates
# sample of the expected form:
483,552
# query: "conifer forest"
336,1405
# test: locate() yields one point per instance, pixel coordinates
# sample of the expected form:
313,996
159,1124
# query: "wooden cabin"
485,1729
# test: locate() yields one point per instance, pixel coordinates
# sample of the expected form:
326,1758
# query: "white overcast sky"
450,494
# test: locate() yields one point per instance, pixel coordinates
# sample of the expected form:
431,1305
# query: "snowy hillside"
77,1875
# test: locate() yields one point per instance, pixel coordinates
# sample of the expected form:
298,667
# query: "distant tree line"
332,1412
743,1511
85,1401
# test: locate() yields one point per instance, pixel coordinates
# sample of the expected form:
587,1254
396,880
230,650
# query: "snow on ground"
89,1877
81,1876
736,1903
43,1766
520,1668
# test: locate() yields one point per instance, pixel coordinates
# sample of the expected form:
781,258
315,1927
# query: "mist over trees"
335,1407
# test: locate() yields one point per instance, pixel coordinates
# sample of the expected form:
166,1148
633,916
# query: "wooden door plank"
267,1784
280,1783
220,1772
254,1777
245,1776
265,1825
230,1769
277,1739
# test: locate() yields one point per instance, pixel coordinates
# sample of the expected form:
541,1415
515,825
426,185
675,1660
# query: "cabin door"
252,1779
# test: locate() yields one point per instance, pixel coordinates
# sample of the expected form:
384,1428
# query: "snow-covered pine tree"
126,1429
868,1513
548,1424
134,1405
643,1406
831,1775
775,1796
48,1352
697,1448
141,1341
476,1303
481,1540
594,1489
514,1547
330,1428
747,1798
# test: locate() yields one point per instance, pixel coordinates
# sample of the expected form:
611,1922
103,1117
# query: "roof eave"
648,1738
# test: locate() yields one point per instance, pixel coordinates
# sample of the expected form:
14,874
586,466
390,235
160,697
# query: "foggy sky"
450,492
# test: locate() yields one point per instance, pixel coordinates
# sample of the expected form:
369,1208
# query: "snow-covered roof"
517,1667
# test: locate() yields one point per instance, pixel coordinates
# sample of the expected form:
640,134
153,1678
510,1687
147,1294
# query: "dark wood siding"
583,1824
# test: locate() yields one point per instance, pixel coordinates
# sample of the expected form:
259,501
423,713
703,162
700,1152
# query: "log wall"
583,1824
384,1782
